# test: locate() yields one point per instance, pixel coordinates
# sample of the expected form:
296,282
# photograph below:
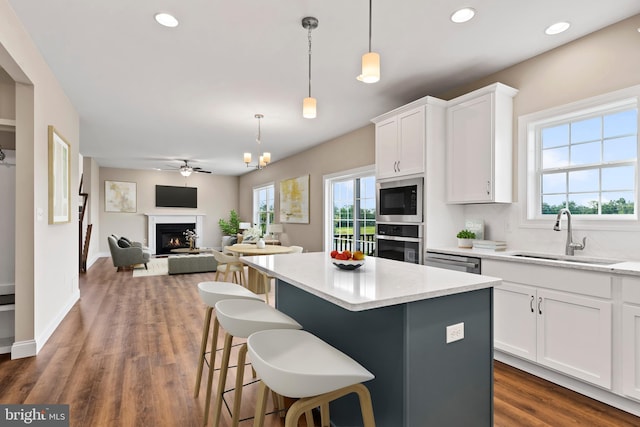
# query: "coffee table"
192,251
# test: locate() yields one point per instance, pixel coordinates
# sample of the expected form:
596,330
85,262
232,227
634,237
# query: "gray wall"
217,195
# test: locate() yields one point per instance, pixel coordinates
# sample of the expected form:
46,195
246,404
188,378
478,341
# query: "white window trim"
327,233
253,200
528,186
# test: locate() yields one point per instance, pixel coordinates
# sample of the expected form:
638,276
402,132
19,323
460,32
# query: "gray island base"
392,317
420,380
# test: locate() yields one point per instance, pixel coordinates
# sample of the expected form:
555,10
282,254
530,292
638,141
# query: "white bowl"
351,264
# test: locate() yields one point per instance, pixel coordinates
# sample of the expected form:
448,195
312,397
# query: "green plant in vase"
465,238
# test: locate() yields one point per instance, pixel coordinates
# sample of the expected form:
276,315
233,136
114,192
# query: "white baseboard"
21,349
42,339
93,259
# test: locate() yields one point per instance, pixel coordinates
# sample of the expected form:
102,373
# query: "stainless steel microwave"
400,201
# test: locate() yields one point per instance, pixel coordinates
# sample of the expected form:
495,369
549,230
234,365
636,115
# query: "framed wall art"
120,196
59,179
294,200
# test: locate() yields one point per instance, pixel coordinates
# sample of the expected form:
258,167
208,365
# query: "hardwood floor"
126,355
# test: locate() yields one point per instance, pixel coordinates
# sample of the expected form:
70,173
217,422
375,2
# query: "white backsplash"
502,222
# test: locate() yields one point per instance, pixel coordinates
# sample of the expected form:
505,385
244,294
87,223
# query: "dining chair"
230,264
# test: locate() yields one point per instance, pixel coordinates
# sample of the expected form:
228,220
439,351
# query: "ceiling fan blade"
198,170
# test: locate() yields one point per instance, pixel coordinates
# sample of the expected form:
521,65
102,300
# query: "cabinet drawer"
563,279
631,290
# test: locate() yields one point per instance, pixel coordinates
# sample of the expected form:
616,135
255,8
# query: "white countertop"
378,283
578,262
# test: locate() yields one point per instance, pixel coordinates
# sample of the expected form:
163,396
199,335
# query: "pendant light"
263,160
309,104
370,61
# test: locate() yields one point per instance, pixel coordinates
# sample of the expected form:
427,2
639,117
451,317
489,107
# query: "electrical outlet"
455,332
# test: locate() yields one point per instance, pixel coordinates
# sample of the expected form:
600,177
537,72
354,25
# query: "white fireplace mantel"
176,218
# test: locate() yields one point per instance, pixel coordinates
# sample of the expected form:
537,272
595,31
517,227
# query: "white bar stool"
211,293
241,318
298,364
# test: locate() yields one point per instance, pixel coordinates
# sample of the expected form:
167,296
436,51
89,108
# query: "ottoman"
200,263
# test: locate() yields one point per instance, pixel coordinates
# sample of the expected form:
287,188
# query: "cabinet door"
574,336
387,148
515,314
411,142
470,151
631,350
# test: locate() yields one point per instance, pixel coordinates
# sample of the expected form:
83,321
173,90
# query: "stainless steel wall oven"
401,242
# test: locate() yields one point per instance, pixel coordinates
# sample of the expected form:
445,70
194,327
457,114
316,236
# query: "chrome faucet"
571,246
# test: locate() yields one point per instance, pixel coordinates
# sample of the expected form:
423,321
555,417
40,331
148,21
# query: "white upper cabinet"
402,136
479,146
400,144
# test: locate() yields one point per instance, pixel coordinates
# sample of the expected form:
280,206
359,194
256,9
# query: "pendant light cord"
309,62
370,25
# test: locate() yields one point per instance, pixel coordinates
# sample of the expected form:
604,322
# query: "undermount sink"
567,258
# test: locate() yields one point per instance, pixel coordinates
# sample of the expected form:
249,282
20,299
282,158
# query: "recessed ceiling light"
557,28
463,15
166,19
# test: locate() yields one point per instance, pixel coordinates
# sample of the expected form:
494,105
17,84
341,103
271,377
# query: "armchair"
125,257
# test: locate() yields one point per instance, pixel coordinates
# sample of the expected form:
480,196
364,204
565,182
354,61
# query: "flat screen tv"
168,196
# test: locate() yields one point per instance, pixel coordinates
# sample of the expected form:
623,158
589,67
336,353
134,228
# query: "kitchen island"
392,317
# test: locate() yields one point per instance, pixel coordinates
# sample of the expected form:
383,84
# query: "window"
584,157
351,211
263,202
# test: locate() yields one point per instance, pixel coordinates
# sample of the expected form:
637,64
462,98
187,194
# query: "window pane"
555,158
553,204
622,123
620,178
624,148
586,130
586,180
583,204
619,202
585,153
555,136
554,183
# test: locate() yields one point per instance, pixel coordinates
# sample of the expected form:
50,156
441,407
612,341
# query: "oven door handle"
399,239
450,262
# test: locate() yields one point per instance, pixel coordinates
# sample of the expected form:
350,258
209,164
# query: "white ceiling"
149,95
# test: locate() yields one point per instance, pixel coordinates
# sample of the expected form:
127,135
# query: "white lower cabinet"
564,331
631,350
514,320
574,335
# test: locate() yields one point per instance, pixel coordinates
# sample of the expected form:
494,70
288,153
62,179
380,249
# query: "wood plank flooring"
126,355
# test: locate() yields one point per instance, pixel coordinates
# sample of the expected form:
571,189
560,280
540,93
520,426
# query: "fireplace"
184,220
171,236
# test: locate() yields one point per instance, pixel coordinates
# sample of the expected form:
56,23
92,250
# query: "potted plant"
465,238
230,228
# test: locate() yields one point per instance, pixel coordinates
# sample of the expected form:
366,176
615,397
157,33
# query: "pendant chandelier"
309,104
370,61
265,158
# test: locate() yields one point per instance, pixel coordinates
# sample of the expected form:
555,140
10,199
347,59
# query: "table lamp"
274,230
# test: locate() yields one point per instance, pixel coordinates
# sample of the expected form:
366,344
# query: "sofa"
126,256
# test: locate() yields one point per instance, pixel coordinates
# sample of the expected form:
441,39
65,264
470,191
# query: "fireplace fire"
171,236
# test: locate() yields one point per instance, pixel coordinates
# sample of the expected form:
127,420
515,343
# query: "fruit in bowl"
347,260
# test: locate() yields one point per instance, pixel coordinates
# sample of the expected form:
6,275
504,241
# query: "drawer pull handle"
539,303
531,303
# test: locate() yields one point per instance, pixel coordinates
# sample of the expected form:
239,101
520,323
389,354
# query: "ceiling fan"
186,169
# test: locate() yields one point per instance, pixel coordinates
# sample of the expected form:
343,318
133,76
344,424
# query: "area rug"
156,267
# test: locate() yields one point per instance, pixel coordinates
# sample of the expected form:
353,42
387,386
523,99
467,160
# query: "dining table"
256,280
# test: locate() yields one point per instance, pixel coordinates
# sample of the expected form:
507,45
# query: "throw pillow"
123,243
126,240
